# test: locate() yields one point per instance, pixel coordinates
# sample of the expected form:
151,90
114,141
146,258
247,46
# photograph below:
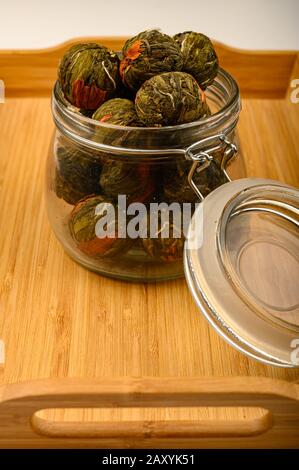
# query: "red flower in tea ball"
83,227
118,111
148,54
134,180
89,75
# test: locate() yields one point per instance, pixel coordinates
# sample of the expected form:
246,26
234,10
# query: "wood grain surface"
59,321
276,426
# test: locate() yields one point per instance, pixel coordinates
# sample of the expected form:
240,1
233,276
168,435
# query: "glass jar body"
119,199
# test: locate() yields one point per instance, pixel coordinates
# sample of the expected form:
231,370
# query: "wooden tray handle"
19,426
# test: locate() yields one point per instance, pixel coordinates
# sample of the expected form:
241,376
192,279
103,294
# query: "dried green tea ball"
148,54
132,180
77,174
83,224
65,191
89,74
200,59
176,185
167,244
118,111
166,249
170,98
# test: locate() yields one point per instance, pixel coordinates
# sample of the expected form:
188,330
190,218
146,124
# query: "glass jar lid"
244,275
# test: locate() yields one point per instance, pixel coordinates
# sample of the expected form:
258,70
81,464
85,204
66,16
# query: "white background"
249,24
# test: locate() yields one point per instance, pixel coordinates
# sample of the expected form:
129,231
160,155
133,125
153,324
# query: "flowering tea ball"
83,227
77,174
166,249
200,59
119,111
132,180
88,74
176,185
167,244
148,54
65,191
170,98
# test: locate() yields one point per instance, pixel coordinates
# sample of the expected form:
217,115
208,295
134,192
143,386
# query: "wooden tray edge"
20,426
258,73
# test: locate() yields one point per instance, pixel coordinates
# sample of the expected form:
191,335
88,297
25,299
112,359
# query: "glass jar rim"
81,128
71,111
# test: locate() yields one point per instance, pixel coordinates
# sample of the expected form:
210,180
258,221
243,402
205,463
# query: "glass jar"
91,164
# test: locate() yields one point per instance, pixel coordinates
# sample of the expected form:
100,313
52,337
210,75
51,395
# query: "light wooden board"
58,320
278,426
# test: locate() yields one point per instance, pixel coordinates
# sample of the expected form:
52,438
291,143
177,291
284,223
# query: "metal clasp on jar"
200,154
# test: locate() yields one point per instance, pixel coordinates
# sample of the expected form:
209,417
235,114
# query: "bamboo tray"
112,364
